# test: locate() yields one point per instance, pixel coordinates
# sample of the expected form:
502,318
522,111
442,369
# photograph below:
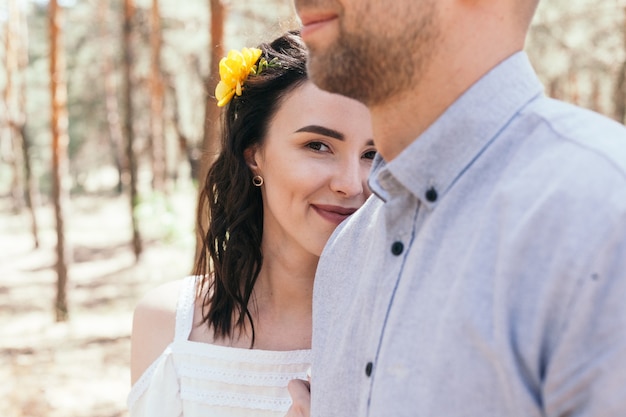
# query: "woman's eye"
369,155
317,146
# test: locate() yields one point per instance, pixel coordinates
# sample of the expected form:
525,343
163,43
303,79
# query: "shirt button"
397,248
368,368
431,195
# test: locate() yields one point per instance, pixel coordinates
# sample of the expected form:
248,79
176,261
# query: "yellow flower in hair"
234,71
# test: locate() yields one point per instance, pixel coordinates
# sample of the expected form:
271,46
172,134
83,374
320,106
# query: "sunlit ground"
80,368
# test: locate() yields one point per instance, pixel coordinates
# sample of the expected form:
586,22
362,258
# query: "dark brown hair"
230,258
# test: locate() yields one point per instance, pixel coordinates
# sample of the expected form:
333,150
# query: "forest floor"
79,368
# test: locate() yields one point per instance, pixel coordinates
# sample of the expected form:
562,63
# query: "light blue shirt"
487,275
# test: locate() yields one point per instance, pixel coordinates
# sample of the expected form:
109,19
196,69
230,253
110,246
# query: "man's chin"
318,70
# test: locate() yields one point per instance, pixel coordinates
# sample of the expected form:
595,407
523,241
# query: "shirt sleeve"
586,376
157,392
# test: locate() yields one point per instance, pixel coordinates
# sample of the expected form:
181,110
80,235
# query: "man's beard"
373,68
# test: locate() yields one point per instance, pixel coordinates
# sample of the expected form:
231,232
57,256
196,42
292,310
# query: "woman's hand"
300,392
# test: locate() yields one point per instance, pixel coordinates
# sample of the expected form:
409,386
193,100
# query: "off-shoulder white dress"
194,379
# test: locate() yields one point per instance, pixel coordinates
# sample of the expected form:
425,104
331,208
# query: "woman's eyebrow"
321,130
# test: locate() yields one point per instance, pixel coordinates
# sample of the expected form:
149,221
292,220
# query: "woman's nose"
348,179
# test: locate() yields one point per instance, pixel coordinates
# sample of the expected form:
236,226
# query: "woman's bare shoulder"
154,323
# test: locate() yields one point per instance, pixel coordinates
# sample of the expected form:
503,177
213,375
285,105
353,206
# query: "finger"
300,397
299,388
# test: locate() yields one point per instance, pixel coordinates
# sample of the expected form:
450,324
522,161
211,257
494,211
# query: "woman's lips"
334,214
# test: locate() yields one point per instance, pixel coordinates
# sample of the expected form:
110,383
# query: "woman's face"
314,162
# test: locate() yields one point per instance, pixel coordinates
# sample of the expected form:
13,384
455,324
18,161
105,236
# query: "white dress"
194,379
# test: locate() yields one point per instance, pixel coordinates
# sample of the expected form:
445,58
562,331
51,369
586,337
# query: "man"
487,276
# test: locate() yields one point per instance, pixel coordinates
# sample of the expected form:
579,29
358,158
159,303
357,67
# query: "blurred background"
106,123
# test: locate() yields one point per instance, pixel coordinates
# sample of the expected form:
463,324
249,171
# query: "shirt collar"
444,151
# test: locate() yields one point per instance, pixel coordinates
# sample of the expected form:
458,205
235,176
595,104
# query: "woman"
293,165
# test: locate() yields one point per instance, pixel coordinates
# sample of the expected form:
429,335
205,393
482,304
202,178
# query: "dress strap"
185,309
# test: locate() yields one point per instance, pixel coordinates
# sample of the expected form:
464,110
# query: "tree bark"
116,137
11,102
31,188
159,164
60,139
185,148
129,12
596,94
210,143
574,91
619,96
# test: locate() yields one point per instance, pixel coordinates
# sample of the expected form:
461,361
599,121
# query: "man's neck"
453,69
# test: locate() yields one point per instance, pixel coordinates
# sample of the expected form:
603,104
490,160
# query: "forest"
108,120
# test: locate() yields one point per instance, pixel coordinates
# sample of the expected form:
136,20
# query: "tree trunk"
159,165
619,95
60,139
31,187
185,148
129,12
574,90
11,102
116,137
596,94
210,143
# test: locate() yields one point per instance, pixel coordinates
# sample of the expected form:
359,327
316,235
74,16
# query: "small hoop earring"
257,180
